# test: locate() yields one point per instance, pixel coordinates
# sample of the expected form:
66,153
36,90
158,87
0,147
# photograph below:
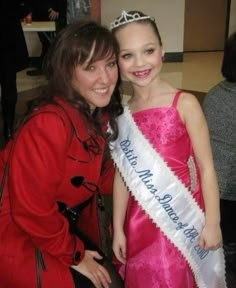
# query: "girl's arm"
193,117
120,200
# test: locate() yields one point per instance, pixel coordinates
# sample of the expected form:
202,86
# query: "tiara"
127,18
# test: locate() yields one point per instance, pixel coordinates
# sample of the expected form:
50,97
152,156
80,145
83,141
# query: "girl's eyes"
126,56
150,51
129,55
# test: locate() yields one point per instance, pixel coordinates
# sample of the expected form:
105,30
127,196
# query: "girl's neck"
145,93
152,96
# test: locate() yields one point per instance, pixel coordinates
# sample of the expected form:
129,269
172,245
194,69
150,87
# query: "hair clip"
127,18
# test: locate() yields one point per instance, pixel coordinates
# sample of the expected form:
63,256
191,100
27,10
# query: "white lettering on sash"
146,177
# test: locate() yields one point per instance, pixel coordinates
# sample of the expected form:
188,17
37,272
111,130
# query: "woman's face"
95,82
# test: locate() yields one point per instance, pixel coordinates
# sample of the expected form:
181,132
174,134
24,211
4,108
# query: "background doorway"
205,25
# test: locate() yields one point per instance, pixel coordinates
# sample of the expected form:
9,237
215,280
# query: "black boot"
230,261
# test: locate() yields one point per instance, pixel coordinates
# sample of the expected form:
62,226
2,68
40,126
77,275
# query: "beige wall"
232,20
169,16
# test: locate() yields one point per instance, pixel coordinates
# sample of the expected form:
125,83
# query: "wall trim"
173,57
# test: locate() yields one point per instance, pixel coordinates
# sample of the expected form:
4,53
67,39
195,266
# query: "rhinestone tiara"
127,18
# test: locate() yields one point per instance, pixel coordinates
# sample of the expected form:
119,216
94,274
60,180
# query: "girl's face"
95,82
140,58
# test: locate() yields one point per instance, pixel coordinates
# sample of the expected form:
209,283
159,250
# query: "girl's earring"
163,55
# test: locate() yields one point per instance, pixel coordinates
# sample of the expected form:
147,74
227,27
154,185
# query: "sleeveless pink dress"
152,260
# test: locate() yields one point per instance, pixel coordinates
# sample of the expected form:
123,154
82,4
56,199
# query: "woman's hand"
211,237
52,14
119,246
93,270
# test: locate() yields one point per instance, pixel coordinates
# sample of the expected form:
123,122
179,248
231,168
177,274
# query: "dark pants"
8,90
228,227
45,43
80,281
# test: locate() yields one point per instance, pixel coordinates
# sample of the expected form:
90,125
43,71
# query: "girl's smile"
142,74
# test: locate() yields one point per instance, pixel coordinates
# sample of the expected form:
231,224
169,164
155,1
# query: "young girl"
166,229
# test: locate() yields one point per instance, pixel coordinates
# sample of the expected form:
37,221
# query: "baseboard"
174,56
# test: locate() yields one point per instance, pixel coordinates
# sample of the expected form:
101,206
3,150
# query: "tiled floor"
197,72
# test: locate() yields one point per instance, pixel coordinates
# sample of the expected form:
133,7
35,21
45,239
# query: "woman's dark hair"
228,68
72,47
150,21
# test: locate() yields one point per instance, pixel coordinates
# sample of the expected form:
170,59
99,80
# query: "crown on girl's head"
127,18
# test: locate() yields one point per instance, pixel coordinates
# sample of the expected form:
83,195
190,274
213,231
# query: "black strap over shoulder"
5,170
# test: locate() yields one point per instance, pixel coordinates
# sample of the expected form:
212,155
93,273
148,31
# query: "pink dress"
152,260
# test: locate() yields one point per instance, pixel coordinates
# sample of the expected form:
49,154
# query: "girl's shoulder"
187,106
187,100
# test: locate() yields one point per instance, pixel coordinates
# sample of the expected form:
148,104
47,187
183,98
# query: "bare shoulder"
188,99
188,106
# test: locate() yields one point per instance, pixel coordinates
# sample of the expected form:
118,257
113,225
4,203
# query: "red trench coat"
44,160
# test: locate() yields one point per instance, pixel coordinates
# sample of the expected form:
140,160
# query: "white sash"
166,200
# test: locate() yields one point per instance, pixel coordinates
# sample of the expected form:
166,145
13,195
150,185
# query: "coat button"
77,181
76,258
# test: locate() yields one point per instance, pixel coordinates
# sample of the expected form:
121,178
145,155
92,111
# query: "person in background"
166,199
219,107
47,10
13,58
59,158
77,10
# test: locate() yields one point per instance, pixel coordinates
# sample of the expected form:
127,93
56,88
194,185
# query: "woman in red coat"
58,156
